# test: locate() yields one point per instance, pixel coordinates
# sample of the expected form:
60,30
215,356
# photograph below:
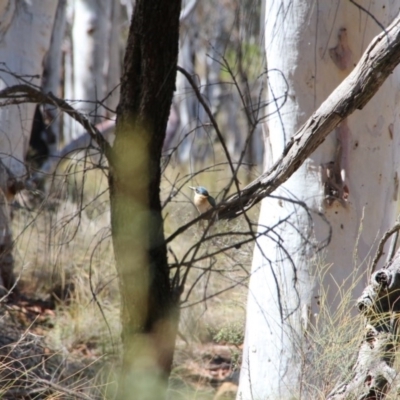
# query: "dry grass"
333,347
64,252
216,288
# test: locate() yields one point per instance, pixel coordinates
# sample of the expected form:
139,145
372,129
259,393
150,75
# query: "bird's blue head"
200,190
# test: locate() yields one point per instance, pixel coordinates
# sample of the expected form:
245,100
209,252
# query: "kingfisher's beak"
191,187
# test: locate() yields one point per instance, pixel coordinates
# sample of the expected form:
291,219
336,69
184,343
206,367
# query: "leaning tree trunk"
344,195
149,303
25,33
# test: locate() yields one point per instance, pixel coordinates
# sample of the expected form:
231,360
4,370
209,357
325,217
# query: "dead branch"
82,142
26,93
373,374
386,236
377,63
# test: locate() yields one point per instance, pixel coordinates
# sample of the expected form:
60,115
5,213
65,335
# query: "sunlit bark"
310,50
25,33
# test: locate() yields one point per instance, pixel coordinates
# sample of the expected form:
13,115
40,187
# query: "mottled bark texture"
377,63
373,374
149,305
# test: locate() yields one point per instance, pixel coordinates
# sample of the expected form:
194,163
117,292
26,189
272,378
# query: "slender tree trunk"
186,101
90,35
311,47
112,65
149,303
52,73
199,54
25,33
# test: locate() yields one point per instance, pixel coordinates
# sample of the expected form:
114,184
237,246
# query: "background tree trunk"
112,64
91,22
149,303
53,72
25,33
310,49
184,98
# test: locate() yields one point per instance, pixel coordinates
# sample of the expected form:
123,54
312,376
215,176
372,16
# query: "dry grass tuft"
64,256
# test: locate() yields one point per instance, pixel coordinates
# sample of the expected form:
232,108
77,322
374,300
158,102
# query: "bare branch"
386,236
377,63
28,93
214,123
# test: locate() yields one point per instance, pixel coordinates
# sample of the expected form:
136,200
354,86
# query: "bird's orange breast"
201,202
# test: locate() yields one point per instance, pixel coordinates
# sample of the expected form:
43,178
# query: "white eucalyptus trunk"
25,33
90,36
52,73
350,184
112,64
69,125
184,96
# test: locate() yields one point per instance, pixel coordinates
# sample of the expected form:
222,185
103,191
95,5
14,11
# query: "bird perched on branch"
202,199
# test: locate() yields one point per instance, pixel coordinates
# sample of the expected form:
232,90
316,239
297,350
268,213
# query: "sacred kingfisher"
202,200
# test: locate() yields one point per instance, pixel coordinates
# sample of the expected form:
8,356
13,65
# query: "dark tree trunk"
149,305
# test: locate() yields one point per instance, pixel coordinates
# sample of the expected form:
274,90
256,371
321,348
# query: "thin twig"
63,389
29,93
214,123
382,243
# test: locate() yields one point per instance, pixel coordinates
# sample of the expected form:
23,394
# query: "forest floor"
31,369
60,335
